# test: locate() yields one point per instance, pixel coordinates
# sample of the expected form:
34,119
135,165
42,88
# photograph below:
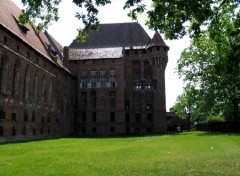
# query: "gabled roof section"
157,41
9,13
115,35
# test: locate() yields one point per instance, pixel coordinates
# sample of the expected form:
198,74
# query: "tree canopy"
174,18
212,65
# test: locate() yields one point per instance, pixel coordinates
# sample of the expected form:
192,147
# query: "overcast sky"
65,31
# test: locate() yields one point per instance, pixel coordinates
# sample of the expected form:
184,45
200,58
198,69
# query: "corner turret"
159,50
157,41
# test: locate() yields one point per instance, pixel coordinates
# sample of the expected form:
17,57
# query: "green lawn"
194,153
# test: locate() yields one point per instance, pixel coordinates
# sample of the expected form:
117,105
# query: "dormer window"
23,28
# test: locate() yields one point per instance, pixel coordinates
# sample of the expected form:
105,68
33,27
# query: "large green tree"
174,18
212,65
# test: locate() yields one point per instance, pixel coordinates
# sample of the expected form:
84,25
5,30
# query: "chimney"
65,56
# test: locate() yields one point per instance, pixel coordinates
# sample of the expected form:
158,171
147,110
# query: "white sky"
65,31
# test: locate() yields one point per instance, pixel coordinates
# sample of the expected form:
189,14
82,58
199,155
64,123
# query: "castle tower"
158,61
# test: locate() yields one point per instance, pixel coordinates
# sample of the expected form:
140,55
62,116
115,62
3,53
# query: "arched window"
34,131
50,93
14,131
112,99
25,116
43,95
94,99
4,74
26,83
64,104
16,79
33,116
35,87
84,100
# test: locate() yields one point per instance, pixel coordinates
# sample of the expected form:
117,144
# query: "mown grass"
194,153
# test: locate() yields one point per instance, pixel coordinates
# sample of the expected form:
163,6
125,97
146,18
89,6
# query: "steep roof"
9,13
157,41
115,35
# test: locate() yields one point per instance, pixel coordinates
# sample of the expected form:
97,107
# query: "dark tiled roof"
157,41
115,35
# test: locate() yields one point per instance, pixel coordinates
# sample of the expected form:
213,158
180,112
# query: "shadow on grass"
84,137
22,141
217,134
197,133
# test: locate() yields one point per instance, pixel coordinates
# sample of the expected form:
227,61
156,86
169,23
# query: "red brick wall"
151,120
51,119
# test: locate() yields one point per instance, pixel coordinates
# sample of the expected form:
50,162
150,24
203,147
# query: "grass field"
194,153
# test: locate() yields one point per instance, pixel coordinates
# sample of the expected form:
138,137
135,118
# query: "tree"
212,65
186,106
175,18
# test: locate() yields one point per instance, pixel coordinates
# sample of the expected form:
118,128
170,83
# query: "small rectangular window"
112,130
2,114
127,117
137,105
94,117
103,76
14,116
94,130
49,118
83,116
112,114
57,120
25,116
112,74
138,117
127,104
14,132
149,117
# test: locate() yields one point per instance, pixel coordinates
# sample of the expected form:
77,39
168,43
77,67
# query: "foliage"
183,154
215,118
174,18
211,64
186,104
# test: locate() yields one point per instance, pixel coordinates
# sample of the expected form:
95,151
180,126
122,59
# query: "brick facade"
36,95
138,93
114,84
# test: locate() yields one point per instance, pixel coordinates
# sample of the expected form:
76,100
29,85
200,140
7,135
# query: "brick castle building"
113,84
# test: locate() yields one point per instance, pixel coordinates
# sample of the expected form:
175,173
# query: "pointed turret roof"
157,41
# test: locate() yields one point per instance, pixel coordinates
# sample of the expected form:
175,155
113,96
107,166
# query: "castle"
113,84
